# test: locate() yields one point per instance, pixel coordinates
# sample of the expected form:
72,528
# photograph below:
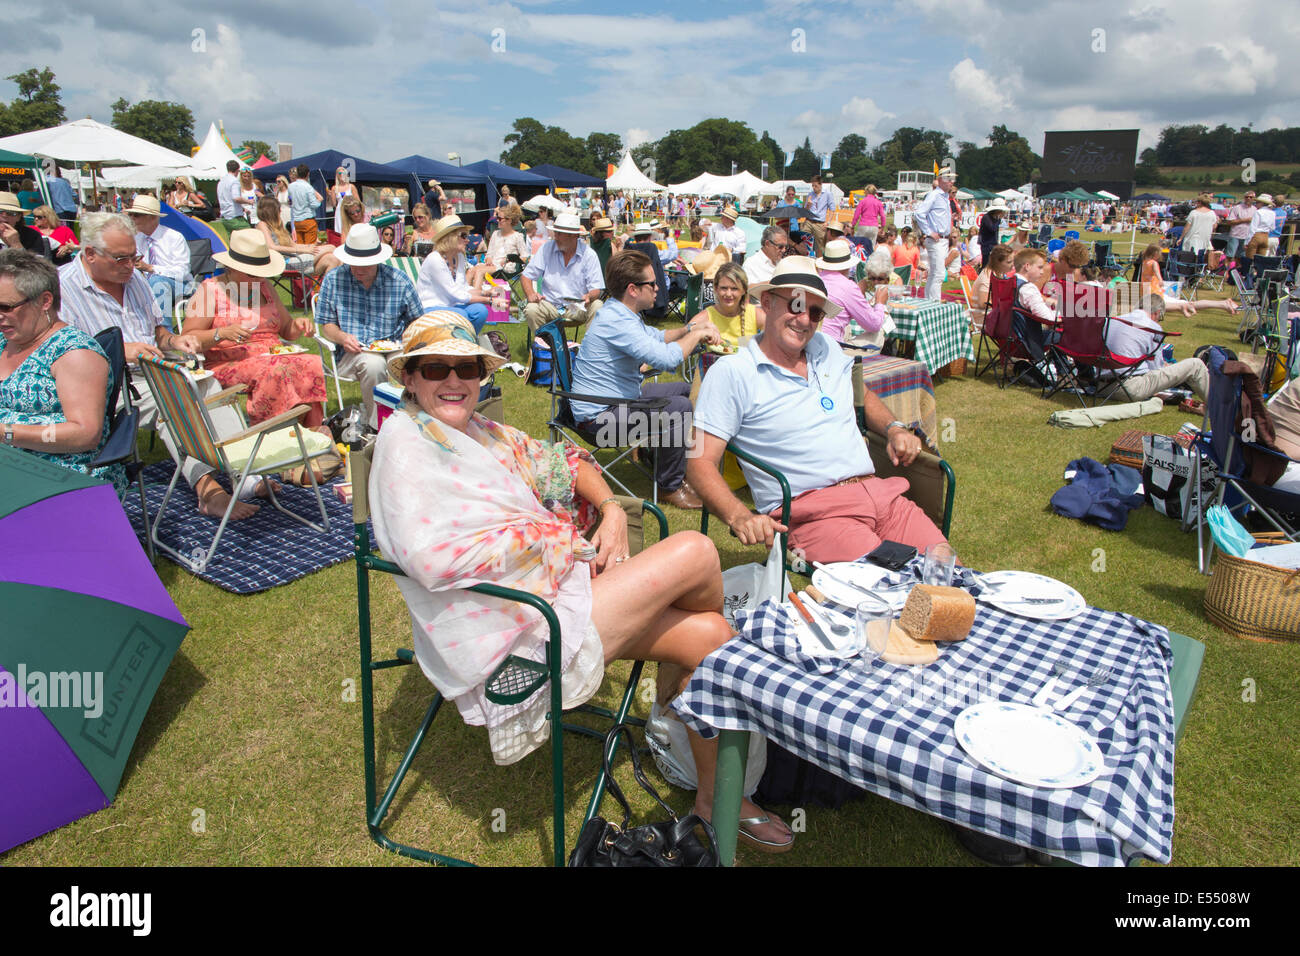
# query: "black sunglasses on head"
437,372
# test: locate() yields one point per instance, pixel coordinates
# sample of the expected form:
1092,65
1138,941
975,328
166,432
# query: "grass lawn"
251,752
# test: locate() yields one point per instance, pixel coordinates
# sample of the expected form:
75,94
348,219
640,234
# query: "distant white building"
915,182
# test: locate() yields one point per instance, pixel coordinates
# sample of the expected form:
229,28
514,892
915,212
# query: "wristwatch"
896,424
9,434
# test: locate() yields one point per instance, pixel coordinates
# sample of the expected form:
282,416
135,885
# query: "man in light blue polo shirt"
609,364
933,220
787,398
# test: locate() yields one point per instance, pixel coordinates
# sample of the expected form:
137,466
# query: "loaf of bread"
935,613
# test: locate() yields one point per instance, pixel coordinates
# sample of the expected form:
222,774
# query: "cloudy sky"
385,78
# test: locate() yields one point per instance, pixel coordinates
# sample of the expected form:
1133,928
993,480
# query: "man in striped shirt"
101,288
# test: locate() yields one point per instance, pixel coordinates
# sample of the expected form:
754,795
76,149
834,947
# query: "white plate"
289,350
199,374
371,348
1025,584
1029,745
855,572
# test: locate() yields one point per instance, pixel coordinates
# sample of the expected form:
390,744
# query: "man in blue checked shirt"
933,220
609,363
362,302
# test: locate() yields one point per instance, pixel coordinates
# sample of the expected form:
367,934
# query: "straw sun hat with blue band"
444,333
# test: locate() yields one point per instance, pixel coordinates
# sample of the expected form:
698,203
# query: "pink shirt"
869,212
847,294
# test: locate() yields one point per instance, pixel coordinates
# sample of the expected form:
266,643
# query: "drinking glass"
940,562
872,621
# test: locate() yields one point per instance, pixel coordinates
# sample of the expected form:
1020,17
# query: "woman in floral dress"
239,320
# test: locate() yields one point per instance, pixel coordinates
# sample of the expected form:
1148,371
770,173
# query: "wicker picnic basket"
1256,601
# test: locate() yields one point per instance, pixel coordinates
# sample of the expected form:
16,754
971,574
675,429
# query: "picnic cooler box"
1257,601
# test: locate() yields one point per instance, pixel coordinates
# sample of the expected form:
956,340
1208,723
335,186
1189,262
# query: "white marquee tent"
628,178
88,141
213,154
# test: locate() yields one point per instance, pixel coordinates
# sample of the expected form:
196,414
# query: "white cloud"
978,89
863,116
635,136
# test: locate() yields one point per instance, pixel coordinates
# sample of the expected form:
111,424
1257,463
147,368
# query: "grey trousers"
1189,373
369,369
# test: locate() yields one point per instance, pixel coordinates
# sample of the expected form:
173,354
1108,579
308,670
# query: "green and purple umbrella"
86,633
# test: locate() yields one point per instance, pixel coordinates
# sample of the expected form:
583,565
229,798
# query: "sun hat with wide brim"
361,248
9,203
729,212
247,252
144,205
445,333
567,222
1264,199
449,224
600,224
708,263
642,229
997,205
837,256
837,225
797,273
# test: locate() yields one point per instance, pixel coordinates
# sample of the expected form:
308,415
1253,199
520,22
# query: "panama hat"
997,205
441,332
446,225
1264,199
602,223
797,272
567,222
837,256
9,203
706,264
144,205
642,229
730,212
837,225
247,252
362,247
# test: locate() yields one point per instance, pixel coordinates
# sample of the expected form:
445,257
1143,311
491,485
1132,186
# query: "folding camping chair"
1185,268
998,340
1082,343
123,424
1238,418
1040,240
1248,298
1262,264
264,448
564,427
513,682
904,273
328,358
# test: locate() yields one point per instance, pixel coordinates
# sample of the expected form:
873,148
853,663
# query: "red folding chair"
1082,343
997,341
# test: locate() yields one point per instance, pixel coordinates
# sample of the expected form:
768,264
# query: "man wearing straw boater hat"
362,302
728,234
164,254
787,398
570,274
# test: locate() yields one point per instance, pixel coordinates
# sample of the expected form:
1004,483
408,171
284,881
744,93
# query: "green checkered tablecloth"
941,331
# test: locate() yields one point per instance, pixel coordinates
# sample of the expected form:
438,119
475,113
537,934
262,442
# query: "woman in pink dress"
239,319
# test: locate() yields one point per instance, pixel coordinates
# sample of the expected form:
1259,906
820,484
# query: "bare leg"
213,500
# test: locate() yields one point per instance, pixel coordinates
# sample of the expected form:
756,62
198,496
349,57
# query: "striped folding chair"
268,447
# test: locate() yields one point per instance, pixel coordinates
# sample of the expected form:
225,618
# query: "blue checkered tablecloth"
889,728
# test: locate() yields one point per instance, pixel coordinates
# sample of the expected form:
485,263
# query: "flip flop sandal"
763,845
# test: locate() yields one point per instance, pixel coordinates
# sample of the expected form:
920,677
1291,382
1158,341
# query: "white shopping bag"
743,588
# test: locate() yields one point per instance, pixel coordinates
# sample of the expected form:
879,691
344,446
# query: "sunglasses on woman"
437,372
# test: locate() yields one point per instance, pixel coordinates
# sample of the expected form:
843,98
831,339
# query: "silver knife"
856,587
812,622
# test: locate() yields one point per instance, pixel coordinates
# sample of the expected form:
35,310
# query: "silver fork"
1096,680
1049,686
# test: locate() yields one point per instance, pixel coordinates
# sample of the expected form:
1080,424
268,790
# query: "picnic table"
890,728
941,330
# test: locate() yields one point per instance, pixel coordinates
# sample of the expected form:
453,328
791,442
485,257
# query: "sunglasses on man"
437,372
815,312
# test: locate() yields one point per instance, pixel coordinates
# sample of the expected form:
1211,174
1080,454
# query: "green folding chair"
516,680
269,447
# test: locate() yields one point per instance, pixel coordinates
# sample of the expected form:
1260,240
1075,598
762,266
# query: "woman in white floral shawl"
458,500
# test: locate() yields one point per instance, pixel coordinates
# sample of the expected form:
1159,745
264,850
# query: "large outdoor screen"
1095,159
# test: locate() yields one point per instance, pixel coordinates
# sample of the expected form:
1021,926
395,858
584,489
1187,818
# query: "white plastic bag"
743,588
